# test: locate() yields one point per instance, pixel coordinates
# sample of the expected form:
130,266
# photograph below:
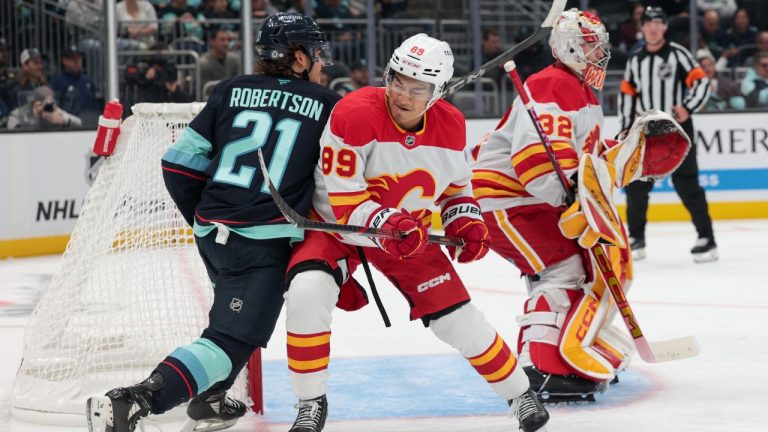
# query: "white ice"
724,304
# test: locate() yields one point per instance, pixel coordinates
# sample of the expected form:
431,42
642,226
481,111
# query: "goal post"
131,286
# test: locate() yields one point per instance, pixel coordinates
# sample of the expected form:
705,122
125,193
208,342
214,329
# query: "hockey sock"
190,370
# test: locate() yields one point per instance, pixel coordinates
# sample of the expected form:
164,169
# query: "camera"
49,107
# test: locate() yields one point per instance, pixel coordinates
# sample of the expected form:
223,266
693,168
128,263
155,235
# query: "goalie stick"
558,6
301,222
650,352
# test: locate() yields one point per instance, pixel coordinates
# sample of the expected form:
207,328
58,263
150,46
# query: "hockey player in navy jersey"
211,173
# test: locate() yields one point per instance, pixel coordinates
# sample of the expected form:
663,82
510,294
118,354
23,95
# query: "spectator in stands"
739,39
216,10
261,9
159,82
6,78
491,49
29,78
754,86
711,33
138,21
218,63
761,45
726,93
42,113
389,8
358,78
84,13
296,6
180,22
629,30
6,74
75,90
724,8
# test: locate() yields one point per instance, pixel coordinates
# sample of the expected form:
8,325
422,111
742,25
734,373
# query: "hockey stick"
301,222
651,352
558,6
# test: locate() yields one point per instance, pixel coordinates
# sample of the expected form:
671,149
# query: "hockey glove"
462,219
410,246
593,217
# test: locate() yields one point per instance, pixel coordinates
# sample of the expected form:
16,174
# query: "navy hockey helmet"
280,30
654,13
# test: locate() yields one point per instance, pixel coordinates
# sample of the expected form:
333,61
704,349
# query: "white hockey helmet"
579,40
423,58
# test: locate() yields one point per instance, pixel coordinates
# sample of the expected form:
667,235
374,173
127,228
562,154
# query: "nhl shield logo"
410,140
236,305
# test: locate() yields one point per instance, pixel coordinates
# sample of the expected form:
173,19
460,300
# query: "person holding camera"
160,84
42,113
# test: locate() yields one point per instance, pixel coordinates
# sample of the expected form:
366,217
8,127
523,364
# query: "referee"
665,76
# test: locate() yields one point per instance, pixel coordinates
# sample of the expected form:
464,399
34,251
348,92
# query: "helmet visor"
321,52
413,88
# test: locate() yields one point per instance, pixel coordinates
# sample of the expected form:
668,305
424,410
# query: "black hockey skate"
121,409
529,412
212,411
563,388
705,250
312,413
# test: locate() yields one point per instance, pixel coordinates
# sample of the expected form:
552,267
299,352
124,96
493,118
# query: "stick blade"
670,350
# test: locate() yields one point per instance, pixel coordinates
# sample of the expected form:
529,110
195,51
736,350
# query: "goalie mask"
423,58
579,40
281,30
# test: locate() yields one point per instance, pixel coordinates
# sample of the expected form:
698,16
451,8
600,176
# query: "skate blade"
207,426
638,255
705,257
98,412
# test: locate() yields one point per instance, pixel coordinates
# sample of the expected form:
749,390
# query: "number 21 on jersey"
288,130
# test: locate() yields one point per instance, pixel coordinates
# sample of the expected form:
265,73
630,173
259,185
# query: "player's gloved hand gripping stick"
300,221
651,352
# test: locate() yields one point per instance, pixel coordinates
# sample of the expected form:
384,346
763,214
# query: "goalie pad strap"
540,318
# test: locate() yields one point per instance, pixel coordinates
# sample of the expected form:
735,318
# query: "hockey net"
131,287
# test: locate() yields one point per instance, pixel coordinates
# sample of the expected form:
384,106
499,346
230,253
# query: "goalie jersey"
368,162
212,170
510,165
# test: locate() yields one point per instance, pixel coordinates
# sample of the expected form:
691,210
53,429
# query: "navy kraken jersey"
212,171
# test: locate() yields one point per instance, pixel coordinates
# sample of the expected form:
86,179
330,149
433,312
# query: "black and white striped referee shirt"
660,80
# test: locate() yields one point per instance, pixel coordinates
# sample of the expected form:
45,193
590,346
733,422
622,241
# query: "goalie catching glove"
593,217
416,236
652,149
462,219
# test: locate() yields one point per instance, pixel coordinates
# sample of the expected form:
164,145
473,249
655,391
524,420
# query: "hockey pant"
310,301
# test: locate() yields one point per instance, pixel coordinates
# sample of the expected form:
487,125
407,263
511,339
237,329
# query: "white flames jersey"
511,167
367,162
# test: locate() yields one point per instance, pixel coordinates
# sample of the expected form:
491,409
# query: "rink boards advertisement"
45,177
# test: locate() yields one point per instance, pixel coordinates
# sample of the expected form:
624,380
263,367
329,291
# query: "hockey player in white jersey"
566,344
388,156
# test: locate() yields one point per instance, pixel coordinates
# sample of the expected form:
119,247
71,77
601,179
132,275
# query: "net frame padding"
131,286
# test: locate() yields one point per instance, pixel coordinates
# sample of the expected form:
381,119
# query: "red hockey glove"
409,246
462,219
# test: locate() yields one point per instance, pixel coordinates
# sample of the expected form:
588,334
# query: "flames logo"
590,143
394,190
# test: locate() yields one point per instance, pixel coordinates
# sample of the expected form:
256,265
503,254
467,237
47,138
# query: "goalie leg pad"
309,302
559,331
467,330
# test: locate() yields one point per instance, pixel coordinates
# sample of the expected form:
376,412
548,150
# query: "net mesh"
131,287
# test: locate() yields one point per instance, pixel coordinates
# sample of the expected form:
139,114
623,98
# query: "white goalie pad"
653,148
